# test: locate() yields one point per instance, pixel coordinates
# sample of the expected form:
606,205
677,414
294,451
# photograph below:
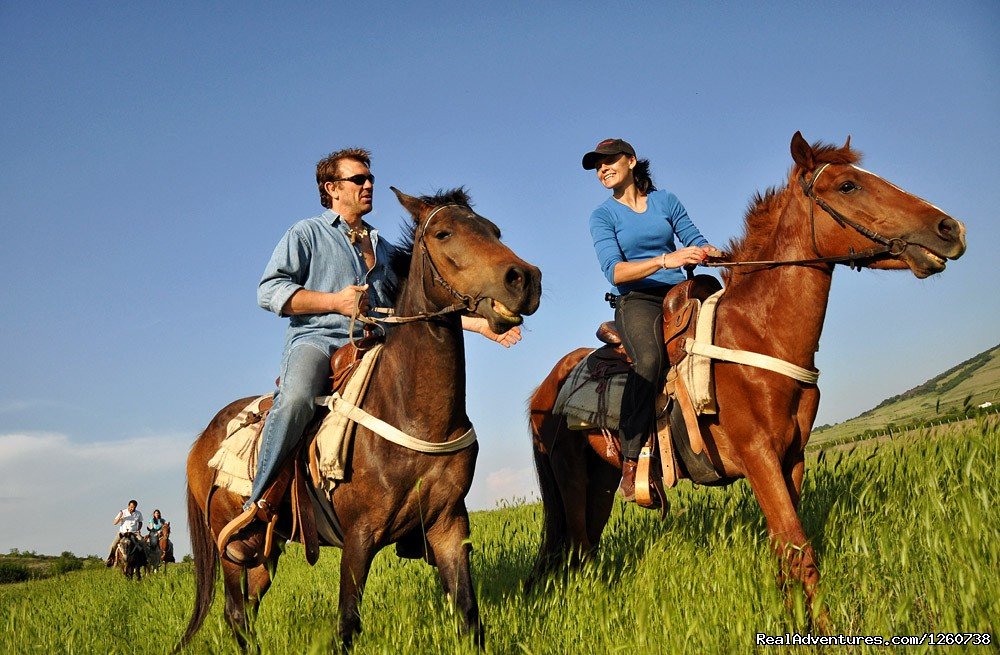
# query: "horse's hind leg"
603,479
236,602
448,539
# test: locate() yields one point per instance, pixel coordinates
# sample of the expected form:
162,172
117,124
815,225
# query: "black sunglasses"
358,179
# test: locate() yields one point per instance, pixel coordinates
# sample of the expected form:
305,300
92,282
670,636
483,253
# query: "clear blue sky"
153,155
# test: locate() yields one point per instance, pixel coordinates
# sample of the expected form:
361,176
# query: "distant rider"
131,521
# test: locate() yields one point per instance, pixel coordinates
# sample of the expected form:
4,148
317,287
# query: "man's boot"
627,486
246,547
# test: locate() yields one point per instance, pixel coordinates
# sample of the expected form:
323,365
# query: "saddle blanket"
235,461
589,402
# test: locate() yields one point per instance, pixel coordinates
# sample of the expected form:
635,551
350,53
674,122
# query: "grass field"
908,536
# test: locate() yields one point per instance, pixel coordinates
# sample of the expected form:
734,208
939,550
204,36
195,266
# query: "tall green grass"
908,539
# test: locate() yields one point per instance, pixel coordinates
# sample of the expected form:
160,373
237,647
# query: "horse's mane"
402,251
761,218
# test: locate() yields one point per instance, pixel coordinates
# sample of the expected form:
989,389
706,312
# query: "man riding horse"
130,520
324,270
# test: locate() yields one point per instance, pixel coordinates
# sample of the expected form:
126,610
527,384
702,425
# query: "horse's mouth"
923,261
500,317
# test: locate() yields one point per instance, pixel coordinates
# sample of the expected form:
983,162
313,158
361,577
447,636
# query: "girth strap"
337,404
752,359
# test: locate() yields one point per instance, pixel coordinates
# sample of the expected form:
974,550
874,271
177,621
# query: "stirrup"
260,511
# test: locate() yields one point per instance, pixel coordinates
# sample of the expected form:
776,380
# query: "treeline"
958,414
21,566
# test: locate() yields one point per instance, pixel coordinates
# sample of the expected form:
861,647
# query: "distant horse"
166,546
830,209
159,549
131,556
455,263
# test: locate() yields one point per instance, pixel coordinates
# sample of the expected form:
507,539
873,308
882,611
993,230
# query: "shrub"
67,564
11,572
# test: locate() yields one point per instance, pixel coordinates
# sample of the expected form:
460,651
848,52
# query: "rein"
893,247
467,303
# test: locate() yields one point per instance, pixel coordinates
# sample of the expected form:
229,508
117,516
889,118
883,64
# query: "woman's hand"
683,257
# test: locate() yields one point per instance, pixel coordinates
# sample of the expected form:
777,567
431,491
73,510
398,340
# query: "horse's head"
858,211
460,258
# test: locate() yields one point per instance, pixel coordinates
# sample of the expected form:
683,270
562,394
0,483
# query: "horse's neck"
780,309
421,375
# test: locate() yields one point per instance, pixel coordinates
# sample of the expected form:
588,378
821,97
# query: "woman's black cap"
605,148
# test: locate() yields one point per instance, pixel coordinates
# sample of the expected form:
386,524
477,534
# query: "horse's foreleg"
356,560
778,500
449,541
236,615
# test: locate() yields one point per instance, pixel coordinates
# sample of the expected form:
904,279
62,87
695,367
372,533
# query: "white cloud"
508,483
57,494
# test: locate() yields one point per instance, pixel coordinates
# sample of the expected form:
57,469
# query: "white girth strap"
337,404
704,335
752,359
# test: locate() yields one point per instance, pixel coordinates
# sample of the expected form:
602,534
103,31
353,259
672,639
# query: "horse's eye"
442,235
848,187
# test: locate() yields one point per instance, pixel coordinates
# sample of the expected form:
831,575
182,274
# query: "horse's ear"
802,152
415,206
847,144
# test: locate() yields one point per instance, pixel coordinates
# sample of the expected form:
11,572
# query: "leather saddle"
288,499
680,313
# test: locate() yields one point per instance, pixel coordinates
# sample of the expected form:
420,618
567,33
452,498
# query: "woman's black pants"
639,316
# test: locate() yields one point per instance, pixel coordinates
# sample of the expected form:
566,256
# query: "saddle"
290,498
678,450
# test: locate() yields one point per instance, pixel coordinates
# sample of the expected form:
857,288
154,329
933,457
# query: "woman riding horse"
830,211
634,234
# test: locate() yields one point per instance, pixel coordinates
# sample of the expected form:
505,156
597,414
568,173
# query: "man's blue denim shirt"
316,254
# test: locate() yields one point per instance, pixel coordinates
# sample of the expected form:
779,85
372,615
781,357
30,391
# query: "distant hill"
948,395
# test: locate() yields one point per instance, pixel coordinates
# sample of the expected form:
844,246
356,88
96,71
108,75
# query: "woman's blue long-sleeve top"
622,235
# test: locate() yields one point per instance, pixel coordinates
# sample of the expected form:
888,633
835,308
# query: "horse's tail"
206,566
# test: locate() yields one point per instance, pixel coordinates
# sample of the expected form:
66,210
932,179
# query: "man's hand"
481,326
346,300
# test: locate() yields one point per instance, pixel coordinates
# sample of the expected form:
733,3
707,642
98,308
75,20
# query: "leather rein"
467,303
893,247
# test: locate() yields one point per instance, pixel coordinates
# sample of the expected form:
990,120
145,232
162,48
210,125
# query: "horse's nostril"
947,228
514,277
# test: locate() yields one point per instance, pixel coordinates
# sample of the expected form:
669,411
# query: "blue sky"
153,155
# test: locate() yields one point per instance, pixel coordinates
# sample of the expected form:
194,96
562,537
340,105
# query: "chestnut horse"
393,494
829,207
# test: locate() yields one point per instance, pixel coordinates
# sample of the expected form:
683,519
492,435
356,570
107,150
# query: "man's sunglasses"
358,179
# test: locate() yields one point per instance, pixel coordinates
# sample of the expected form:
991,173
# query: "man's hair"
134,502
327,169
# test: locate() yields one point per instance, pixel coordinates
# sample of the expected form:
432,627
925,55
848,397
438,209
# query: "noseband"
892,247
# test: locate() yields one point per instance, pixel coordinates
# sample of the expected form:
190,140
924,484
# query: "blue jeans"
305,374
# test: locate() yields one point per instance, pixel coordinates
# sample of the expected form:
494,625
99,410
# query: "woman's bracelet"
663,260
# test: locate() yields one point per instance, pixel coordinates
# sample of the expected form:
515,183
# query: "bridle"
893,247
466,302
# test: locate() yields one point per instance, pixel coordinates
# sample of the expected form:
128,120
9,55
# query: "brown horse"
829,207
393,495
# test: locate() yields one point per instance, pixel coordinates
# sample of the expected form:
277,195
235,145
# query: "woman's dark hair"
643,179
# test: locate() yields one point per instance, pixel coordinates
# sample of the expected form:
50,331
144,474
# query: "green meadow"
907,534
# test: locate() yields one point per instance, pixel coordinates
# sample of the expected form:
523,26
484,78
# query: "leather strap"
752,359
337,404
